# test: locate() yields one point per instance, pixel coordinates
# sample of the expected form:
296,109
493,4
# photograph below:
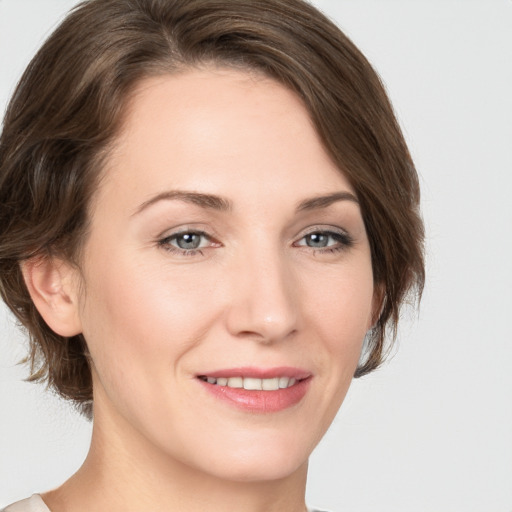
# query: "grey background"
432,430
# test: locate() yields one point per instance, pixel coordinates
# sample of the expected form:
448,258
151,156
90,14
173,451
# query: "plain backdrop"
432,430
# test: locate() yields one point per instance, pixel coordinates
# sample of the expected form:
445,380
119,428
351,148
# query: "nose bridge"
264,298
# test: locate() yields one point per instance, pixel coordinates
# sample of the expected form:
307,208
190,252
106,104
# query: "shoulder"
32,504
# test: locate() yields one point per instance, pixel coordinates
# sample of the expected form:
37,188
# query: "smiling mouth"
252,383
258,390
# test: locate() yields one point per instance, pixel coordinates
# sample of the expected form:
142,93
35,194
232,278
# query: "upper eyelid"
323,229
184,232
174,232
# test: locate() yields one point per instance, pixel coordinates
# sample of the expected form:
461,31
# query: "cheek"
140,320
337,314
342,304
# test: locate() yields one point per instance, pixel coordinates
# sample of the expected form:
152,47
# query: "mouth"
252,383
255,390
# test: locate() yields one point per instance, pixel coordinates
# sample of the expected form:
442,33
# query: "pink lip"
257,401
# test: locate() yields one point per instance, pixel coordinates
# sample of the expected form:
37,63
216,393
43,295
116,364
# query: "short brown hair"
68,107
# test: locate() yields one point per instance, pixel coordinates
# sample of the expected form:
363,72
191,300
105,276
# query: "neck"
126,472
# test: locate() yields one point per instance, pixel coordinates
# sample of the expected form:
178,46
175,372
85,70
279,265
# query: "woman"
206,208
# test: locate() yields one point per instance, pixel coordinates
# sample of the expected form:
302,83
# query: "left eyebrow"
325,201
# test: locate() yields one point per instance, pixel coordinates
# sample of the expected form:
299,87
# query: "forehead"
219,131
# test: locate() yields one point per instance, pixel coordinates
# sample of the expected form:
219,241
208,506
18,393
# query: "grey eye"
188,241
328,240
317,240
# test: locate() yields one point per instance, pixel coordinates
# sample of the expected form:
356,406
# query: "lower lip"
260,401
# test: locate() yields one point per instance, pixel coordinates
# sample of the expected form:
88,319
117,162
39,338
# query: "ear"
53,287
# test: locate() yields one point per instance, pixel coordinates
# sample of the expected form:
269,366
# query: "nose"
263,299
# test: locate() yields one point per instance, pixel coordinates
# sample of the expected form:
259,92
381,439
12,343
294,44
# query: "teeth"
270,384
251,383
235,382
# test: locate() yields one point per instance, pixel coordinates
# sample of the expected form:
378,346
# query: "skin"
256,293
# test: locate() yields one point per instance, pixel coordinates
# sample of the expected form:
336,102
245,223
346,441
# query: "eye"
186,242
325,240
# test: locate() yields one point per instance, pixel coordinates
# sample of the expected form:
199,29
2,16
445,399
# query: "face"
227,280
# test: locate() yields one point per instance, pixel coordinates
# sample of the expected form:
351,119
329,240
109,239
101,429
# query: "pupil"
317,240
189,241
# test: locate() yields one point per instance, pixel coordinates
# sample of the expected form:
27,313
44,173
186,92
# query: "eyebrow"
325,201
207,201
213,202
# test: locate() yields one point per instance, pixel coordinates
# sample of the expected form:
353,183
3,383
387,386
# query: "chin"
261,471
262,460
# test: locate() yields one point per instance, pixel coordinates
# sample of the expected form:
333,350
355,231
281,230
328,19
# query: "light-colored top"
33,504
36,504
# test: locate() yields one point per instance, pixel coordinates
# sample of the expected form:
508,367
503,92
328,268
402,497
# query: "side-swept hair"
67,109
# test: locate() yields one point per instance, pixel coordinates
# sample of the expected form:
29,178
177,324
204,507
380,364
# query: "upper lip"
259,373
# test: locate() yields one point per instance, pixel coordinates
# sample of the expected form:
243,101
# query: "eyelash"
343,239
165,243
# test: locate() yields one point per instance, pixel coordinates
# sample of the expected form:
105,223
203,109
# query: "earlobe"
53,287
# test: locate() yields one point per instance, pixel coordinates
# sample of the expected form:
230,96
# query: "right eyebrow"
207,201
